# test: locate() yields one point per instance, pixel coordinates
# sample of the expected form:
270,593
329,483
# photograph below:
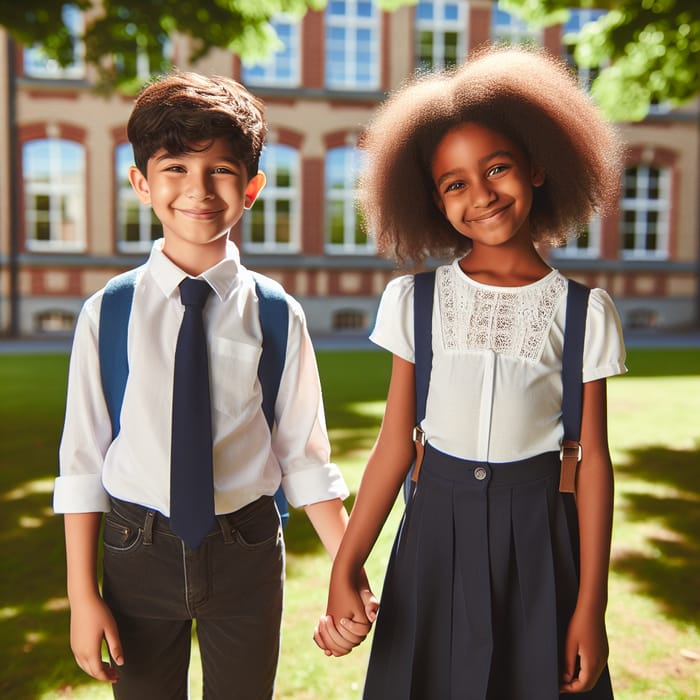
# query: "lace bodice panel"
514,322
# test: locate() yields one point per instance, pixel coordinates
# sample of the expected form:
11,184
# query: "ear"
139,183
537,176
253,188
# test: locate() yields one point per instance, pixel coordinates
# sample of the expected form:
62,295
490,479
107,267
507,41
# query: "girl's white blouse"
495,388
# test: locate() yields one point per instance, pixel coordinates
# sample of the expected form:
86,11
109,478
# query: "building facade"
69,221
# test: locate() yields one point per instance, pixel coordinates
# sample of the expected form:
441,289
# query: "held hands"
338,639
91,622
585,652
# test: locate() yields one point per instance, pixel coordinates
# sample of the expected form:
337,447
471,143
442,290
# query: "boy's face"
198,197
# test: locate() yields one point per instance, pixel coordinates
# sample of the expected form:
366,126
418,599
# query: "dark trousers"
231,584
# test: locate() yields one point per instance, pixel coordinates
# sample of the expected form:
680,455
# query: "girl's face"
484,183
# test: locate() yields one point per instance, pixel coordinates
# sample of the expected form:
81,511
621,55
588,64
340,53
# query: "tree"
648,50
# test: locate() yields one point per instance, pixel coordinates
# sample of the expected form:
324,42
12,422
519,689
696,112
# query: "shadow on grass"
671,574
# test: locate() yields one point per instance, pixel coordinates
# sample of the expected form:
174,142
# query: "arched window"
272,224
137,225
54,195
345,232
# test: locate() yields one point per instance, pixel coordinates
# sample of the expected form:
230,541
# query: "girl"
491,592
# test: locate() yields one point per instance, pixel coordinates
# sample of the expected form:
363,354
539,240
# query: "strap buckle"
419,435
570,455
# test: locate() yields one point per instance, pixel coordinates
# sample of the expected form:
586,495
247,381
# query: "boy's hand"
91,622
585,653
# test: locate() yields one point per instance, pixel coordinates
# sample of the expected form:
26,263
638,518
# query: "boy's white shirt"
247,462
495,389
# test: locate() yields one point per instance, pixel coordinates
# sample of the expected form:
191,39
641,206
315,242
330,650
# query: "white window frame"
283,68
267,200
64,193
642,206
591,251
507,28
126,200
38,65
351,23
346,197
438,27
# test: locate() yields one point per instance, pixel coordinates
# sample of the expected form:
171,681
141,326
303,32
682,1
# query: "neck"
194,260
505,266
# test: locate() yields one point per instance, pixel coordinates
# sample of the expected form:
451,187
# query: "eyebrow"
164,156
500,153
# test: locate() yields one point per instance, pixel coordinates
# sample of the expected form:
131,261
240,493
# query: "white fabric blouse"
495,389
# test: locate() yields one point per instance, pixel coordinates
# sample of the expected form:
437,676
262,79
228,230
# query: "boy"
197,143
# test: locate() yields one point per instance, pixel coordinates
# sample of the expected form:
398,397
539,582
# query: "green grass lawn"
654,611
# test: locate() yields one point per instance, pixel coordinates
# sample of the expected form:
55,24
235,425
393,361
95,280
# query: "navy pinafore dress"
483,575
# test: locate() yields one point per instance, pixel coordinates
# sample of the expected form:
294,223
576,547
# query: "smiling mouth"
490,215
200,213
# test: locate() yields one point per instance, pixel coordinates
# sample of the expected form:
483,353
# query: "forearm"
595,507
82,531
329,519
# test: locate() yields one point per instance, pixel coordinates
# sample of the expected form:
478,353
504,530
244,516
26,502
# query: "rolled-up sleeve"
87,429
300,442
604,347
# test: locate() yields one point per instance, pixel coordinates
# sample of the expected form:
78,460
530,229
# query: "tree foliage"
648,50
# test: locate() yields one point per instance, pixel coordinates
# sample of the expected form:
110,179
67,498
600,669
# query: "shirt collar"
222,277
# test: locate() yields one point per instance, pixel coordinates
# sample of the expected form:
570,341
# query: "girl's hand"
585,652
91,623
338,633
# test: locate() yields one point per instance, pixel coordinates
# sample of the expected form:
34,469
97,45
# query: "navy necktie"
191,468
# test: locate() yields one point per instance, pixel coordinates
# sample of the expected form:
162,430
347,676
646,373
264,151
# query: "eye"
497,170
454,186
223,170
174,169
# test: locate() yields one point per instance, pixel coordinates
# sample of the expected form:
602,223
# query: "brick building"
68,219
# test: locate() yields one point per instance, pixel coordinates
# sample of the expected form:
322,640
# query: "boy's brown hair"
525,94
183,112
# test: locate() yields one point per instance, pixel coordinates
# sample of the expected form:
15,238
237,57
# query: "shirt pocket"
235,389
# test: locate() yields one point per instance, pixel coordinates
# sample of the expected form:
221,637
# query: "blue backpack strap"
274,321
572,382
423,293
113,337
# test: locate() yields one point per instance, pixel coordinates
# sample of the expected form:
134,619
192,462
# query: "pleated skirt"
480,586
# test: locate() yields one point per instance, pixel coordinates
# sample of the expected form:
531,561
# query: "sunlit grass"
653,617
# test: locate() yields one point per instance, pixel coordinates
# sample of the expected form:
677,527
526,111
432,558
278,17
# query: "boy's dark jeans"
231,584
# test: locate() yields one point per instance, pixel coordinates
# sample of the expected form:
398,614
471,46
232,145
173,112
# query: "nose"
199,186
482,194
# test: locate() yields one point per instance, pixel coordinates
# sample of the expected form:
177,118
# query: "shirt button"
480,473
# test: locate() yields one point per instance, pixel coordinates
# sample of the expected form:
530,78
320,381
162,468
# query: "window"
349,320
577,19
283,68
352,45
645,212
510,29
585,245
440,34
54,195
38,65
137,225
344,230
272,224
